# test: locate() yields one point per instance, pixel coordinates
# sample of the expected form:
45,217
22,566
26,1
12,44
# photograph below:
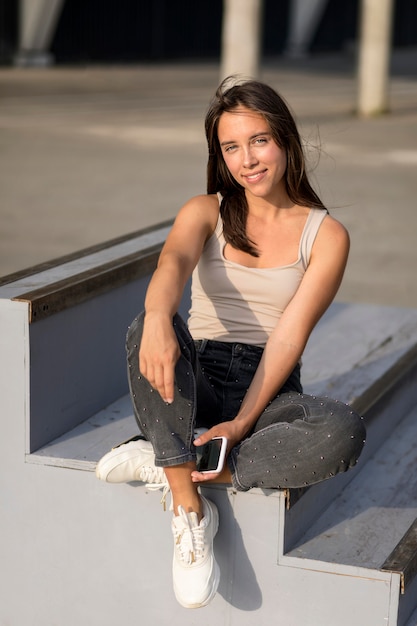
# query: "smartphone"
211,456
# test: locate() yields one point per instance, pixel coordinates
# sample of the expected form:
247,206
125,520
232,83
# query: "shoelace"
190,538
155,479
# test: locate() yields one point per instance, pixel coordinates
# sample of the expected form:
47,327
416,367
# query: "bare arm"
288,340
159,349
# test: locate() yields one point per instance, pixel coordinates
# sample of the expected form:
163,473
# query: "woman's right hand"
159,353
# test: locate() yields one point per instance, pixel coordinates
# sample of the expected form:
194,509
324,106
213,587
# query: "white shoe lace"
155,479
189,539
153,476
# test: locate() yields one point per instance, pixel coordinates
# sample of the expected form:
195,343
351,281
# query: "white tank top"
234,303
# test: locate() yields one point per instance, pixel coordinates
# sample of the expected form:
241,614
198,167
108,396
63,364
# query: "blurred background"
102,104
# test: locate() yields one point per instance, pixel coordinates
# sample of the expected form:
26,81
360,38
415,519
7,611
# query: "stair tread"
83,446
366,521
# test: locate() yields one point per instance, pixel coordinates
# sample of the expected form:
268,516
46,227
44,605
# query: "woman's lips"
254,178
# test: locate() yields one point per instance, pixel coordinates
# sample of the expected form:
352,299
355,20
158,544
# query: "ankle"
189,504
184,492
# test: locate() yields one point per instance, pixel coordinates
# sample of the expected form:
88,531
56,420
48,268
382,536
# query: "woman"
266,261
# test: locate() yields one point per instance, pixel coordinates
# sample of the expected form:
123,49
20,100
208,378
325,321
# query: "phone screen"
208,456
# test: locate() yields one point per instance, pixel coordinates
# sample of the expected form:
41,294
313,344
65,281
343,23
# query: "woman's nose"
249,158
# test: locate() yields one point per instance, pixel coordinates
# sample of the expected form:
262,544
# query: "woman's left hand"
232,431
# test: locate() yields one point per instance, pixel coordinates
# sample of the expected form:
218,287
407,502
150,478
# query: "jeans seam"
175,460
231,461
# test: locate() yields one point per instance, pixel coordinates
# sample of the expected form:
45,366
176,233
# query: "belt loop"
201,345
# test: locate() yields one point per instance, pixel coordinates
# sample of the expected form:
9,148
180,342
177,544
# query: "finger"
156,379
198,477
168,391
204,438
143,369
163,382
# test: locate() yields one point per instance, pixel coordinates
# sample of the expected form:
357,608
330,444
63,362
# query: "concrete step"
371,524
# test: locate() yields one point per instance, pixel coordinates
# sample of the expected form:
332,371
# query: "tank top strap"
311,228
218,231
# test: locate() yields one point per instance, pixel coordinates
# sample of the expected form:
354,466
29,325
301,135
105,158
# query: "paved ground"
87,154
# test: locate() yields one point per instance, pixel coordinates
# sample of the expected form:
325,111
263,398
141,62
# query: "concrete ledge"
64,283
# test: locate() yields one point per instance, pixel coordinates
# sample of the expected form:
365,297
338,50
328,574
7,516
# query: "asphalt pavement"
91,153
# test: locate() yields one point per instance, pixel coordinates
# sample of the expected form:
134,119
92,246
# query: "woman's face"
251,154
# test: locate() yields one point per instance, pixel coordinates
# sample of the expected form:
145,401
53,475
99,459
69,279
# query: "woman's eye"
230,148
260,140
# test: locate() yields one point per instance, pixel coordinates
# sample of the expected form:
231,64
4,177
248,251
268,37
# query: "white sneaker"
196,574
130,461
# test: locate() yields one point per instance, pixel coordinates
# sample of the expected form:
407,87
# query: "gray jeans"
298,440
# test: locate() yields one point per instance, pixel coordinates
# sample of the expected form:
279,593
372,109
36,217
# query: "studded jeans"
298,440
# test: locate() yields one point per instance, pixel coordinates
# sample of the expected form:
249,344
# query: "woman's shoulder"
208,200
204,208
332,234
332,226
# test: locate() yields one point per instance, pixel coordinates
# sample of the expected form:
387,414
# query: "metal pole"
374,56
241,38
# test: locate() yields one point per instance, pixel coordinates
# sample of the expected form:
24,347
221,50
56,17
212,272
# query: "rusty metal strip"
403,559
71,291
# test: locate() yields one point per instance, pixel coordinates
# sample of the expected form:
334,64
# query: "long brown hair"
262,99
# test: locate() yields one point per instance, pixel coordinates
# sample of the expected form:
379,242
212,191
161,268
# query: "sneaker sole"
213,591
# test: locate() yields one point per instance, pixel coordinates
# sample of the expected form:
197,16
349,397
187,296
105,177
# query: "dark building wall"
139,30
405,23
132,30
340,25
275,26
8,30
123,31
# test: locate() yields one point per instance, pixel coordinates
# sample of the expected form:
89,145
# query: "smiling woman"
266,260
